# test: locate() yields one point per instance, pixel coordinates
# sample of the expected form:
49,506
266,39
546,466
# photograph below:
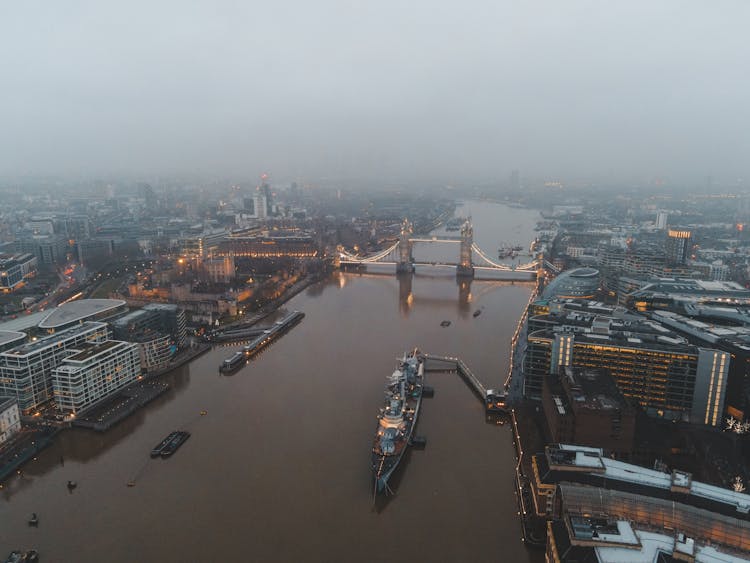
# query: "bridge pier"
465,268
405,260
464,271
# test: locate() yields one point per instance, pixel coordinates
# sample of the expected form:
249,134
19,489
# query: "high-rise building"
661,220
260,206
678,246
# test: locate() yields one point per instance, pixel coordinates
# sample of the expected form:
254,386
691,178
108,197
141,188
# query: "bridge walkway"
461,368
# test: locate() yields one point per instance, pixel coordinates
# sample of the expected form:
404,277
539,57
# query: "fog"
399,90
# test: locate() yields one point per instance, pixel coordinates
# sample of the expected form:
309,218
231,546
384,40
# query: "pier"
269,335
461,368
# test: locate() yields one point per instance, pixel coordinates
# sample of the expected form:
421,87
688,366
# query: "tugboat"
398,418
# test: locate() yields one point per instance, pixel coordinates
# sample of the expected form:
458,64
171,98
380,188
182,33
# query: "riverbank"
22,449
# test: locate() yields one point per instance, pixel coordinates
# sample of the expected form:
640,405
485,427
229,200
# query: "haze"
408,90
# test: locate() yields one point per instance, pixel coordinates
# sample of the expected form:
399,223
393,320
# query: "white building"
261,206
26,370
661,220
94,373
10,419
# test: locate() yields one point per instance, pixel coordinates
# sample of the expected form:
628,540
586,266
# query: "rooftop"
10,336
581,458
79,310
650,545
25,322
35,346
593,389
88,351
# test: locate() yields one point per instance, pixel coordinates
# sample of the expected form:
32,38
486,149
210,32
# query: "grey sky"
410,89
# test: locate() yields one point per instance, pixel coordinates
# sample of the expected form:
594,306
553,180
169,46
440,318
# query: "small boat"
477,313
445,323
34,520
156,452
72,485
175,443
31,556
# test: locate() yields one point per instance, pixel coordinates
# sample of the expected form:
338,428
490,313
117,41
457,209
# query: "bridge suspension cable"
373,258
522,267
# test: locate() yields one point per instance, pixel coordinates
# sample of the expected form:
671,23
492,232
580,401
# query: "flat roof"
91,350
10,336
36,345
25,322
79,310
651,544
594,459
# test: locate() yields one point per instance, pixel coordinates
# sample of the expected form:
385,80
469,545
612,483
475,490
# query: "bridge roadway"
498,274
462,369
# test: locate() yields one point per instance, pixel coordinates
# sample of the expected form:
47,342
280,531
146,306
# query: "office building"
154,318
678,246
93,373
14,270
580,283
158,329
653,366
26,370
48,249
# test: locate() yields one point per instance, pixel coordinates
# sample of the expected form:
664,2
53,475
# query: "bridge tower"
405,261
465,267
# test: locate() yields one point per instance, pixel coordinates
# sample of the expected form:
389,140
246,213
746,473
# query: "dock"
272,333
494,401
450,363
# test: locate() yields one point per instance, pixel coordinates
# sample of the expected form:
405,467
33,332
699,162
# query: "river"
278,468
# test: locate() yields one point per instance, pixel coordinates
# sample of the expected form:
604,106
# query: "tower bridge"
471,259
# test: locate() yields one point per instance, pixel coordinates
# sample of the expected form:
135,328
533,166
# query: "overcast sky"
407,89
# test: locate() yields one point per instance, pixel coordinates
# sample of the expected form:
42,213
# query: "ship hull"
385,460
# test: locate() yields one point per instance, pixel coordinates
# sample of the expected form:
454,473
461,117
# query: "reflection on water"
405,295
464,296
